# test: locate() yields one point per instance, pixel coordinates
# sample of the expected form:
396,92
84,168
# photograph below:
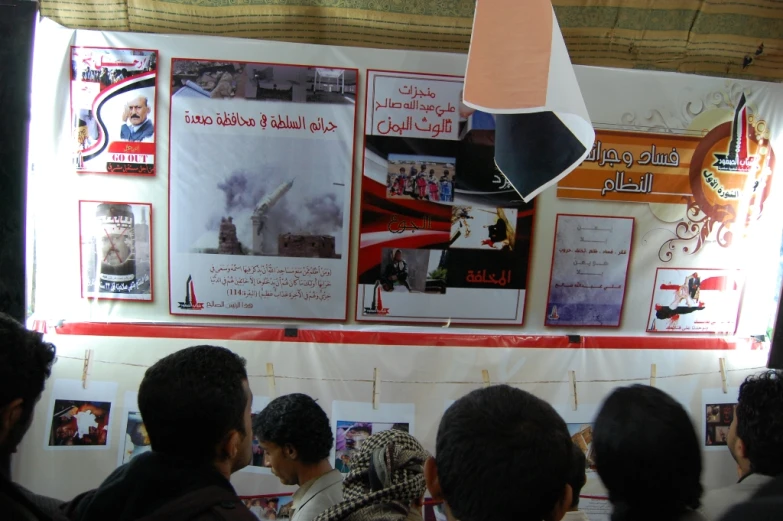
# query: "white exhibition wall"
433,370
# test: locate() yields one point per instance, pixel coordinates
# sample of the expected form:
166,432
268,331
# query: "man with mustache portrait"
137,127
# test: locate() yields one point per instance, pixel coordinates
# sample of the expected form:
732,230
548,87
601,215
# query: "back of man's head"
296,420
645,446
25,364
502,453
760,421
192,399
578,475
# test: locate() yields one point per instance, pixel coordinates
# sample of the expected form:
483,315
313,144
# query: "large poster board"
260,189
439,240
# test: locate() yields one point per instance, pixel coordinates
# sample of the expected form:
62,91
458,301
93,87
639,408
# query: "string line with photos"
456,382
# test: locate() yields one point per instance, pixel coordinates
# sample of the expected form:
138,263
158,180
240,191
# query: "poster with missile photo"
113,110
443,238
260,189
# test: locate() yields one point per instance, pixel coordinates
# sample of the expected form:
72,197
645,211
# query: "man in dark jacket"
25,364
195,404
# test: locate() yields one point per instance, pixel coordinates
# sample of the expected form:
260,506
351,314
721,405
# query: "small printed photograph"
718,421
695,301
116,250
422,178
483,228
79,423
137,441
262,82
104,67
351,435
413,271
269,507
582,436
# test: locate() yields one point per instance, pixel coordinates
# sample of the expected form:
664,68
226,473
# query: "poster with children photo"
79,418
354,422
421,178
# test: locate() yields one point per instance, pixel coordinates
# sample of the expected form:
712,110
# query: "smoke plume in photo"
243,190
223,175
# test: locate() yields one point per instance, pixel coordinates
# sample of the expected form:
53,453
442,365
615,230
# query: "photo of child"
423,178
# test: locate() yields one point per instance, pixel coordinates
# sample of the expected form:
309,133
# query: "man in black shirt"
25,364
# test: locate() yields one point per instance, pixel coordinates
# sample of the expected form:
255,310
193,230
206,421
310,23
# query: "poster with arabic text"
589,270
442,238
260,189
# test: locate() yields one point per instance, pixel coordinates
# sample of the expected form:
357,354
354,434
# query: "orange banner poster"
635,167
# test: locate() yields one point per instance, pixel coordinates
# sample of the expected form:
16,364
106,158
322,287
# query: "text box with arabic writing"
633,167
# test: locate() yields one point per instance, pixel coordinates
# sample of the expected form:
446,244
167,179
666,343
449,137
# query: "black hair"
25,364
296,420
578,475
504,447
760,421
635,427
192,399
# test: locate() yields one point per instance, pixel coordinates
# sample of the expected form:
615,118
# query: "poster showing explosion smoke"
260,189
444,237
113,110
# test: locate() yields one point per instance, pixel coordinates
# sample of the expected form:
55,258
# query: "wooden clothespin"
87,367
376,389
724,382
572,380
485,377
270,377
653,374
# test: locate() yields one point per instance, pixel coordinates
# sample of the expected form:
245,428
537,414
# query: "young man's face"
397,256
282,463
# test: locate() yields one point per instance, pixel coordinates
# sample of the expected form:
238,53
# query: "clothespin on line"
485,377
376,389
270,377
572,380
653,374
724,383
87,367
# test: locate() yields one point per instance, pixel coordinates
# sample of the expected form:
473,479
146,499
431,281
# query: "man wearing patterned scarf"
386,482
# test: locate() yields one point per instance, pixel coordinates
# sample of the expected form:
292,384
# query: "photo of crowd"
269,507
109,66
79,423
137,441
351,435
422,178
719,418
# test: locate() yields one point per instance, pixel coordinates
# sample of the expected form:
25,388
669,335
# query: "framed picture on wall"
115,241
114,110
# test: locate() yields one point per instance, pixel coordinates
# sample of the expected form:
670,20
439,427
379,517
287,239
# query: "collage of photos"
269,508
718,422
136,440
421,178
113,109
351,435
116,250
79,423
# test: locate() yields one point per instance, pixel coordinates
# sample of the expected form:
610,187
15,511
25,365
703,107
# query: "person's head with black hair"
25,364
503,447
195,404
296,437
634,427
756,434
578,475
